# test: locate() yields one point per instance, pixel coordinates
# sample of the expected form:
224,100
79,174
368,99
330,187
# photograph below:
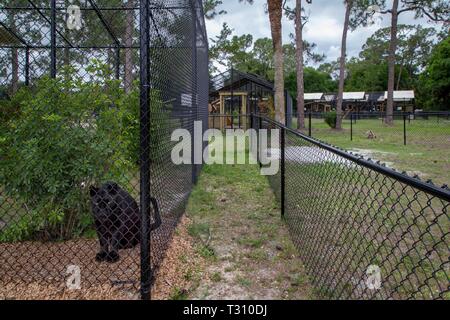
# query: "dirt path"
245,245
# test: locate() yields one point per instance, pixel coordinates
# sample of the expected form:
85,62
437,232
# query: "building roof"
354,96
402,95
406,95
232,78
375,96
314,96
330,97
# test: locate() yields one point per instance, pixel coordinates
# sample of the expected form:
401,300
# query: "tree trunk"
391,62
128,80
400,75
300,62
275,14
340,100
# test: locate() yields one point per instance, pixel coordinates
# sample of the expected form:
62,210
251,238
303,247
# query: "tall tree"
435,81
275,8
348,9
300,65
355,16
300,47
434,10
391,64
414,47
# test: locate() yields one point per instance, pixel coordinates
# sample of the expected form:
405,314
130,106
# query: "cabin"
234,95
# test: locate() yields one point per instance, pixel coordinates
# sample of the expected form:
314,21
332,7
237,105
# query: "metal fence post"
27,66
351,127
310,124
146,272
53,40
194,99
117,63
259,138
283,172
404,129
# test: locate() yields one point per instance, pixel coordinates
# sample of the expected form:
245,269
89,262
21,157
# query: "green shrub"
70,134
331,119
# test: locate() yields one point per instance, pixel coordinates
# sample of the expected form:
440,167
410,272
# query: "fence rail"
364,231
408,128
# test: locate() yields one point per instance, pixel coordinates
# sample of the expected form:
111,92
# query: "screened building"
235,94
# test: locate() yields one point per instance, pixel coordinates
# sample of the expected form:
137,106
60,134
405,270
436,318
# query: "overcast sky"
324,29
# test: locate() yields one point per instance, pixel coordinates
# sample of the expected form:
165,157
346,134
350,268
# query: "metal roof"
402,95
375,96
354,96
229,78
314,96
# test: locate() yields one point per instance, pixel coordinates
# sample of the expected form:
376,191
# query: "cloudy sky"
324,29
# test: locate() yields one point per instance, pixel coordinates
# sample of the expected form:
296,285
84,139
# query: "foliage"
70,134
435,81
254,56
414,47
331,119
315,81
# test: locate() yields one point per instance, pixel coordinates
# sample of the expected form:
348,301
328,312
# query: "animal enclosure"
90,92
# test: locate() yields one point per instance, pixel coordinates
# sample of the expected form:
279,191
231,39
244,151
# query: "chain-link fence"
364,231
421,128
90,92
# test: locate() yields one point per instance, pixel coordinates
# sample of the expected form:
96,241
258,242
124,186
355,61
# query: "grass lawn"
239,232
427,153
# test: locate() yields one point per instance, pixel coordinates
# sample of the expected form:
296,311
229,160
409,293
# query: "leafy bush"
70,134
331,119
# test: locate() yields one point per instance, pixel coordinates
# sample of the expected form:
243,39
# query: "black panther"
117,220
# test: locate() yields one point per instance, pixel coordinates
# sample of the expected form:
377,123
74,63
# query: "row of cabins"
360,102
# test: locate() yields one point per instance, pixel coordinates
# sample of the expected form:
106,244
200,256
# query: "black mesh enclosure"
90,93
363,231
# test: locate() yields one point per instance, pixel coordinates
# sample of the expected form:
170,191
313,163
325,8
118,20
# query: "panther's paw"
113,257
101,257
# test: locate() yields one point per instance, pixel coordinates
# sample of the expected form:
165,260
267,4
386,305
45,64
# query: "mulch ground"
39,271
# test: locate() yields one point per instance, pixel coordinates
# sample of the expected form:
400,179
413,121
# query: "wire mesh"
362,230
71,136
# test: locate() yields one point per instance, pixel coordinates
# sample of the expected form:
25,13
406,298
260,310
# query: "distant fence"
407,128
363,231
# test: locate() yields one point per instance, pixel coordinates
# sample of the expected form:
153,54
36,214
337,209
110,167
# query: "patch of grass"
257,255
427,150
245,217
299,280
179,294
245,282
216,277
197,230
207,252
252,242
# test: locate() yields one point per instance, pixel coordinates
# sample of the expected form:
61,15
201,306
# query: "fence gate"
90,93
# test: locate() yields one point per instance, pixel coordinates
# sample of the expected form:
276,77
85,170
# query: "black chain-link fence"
90,93
430,129
364,231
